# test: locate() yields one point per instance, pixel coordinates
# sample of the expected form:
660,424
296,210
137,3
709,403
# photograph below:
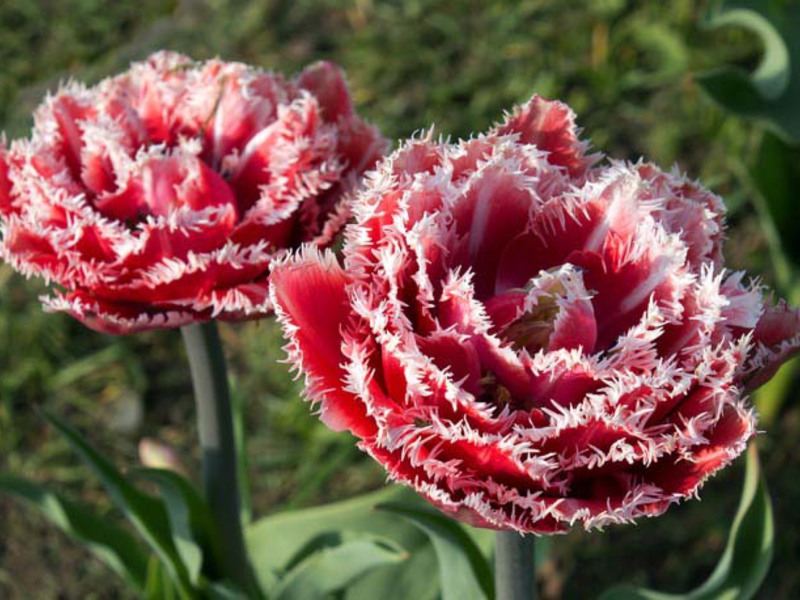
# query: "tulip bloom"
159,197
529,337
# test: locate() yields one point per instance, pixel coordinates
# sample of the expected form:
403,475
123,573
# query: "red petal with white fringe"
161,196
529,338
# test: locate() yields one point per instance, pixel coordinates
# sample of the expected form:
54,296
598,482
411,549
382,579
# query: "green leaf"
666,50
225,591
770,93
191,523
242,465
110,543
332,569
146,513
159,585
275,540
776,174
747,556
770,397
465,573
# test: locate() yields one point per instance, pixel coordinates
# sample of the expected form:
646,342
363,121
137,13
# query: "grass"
625,66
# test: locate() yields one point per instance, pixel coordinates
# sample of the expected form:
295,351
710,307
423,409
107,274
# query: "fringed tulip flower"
529,337
159,197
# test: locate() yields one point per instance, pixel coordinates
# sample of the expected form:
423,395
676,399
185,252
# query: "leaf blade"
110,543
147,514
191,523
464,571
272,542
333,569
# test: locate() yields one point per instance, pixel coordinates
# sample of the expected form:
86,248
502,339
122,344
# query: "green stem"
514,573
215,429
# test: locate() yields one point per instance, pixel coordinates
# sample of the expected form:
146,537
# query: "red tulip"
159,197
530,338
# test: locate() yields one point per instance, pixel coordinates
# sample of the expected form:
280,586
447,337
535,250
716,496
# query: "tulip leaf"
332,569
159,585
747,556
147,514
242,465
771,92
464,571
109,542
191,524
770,397
277,541
220,590
776,175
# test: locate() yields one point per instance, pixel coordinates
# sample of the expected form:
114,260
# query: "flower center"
533,328
525,317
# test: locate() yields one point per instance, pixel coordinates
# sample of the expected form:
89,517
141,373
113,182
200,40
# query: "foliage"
771,91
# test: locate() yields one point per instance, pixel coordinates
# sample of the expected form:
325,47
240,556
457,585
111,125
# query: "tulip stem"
215,429
514,572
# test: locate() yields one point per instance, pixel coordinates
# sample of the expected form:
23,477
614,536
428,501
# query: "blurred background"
628,68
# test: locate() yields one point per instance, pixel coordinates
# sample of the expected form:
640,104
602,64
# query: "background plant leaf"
146,513
331,569
191,524
770,93
109,542
275,541
776,175
464,571
159,584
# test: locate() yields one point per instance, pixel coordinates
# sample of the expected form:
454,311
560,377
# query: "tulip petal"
313,328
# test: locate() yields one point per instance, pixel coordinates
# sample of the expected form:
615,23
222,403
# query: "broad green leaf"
630,593
747,556
146,513
242,466
332,569
464,571
771,93
225,591
484,539
771,396
273,542
191,524
110,543
776,174
159,584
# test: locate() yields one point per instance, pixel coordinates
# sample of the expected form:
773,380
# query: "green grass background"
625,66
